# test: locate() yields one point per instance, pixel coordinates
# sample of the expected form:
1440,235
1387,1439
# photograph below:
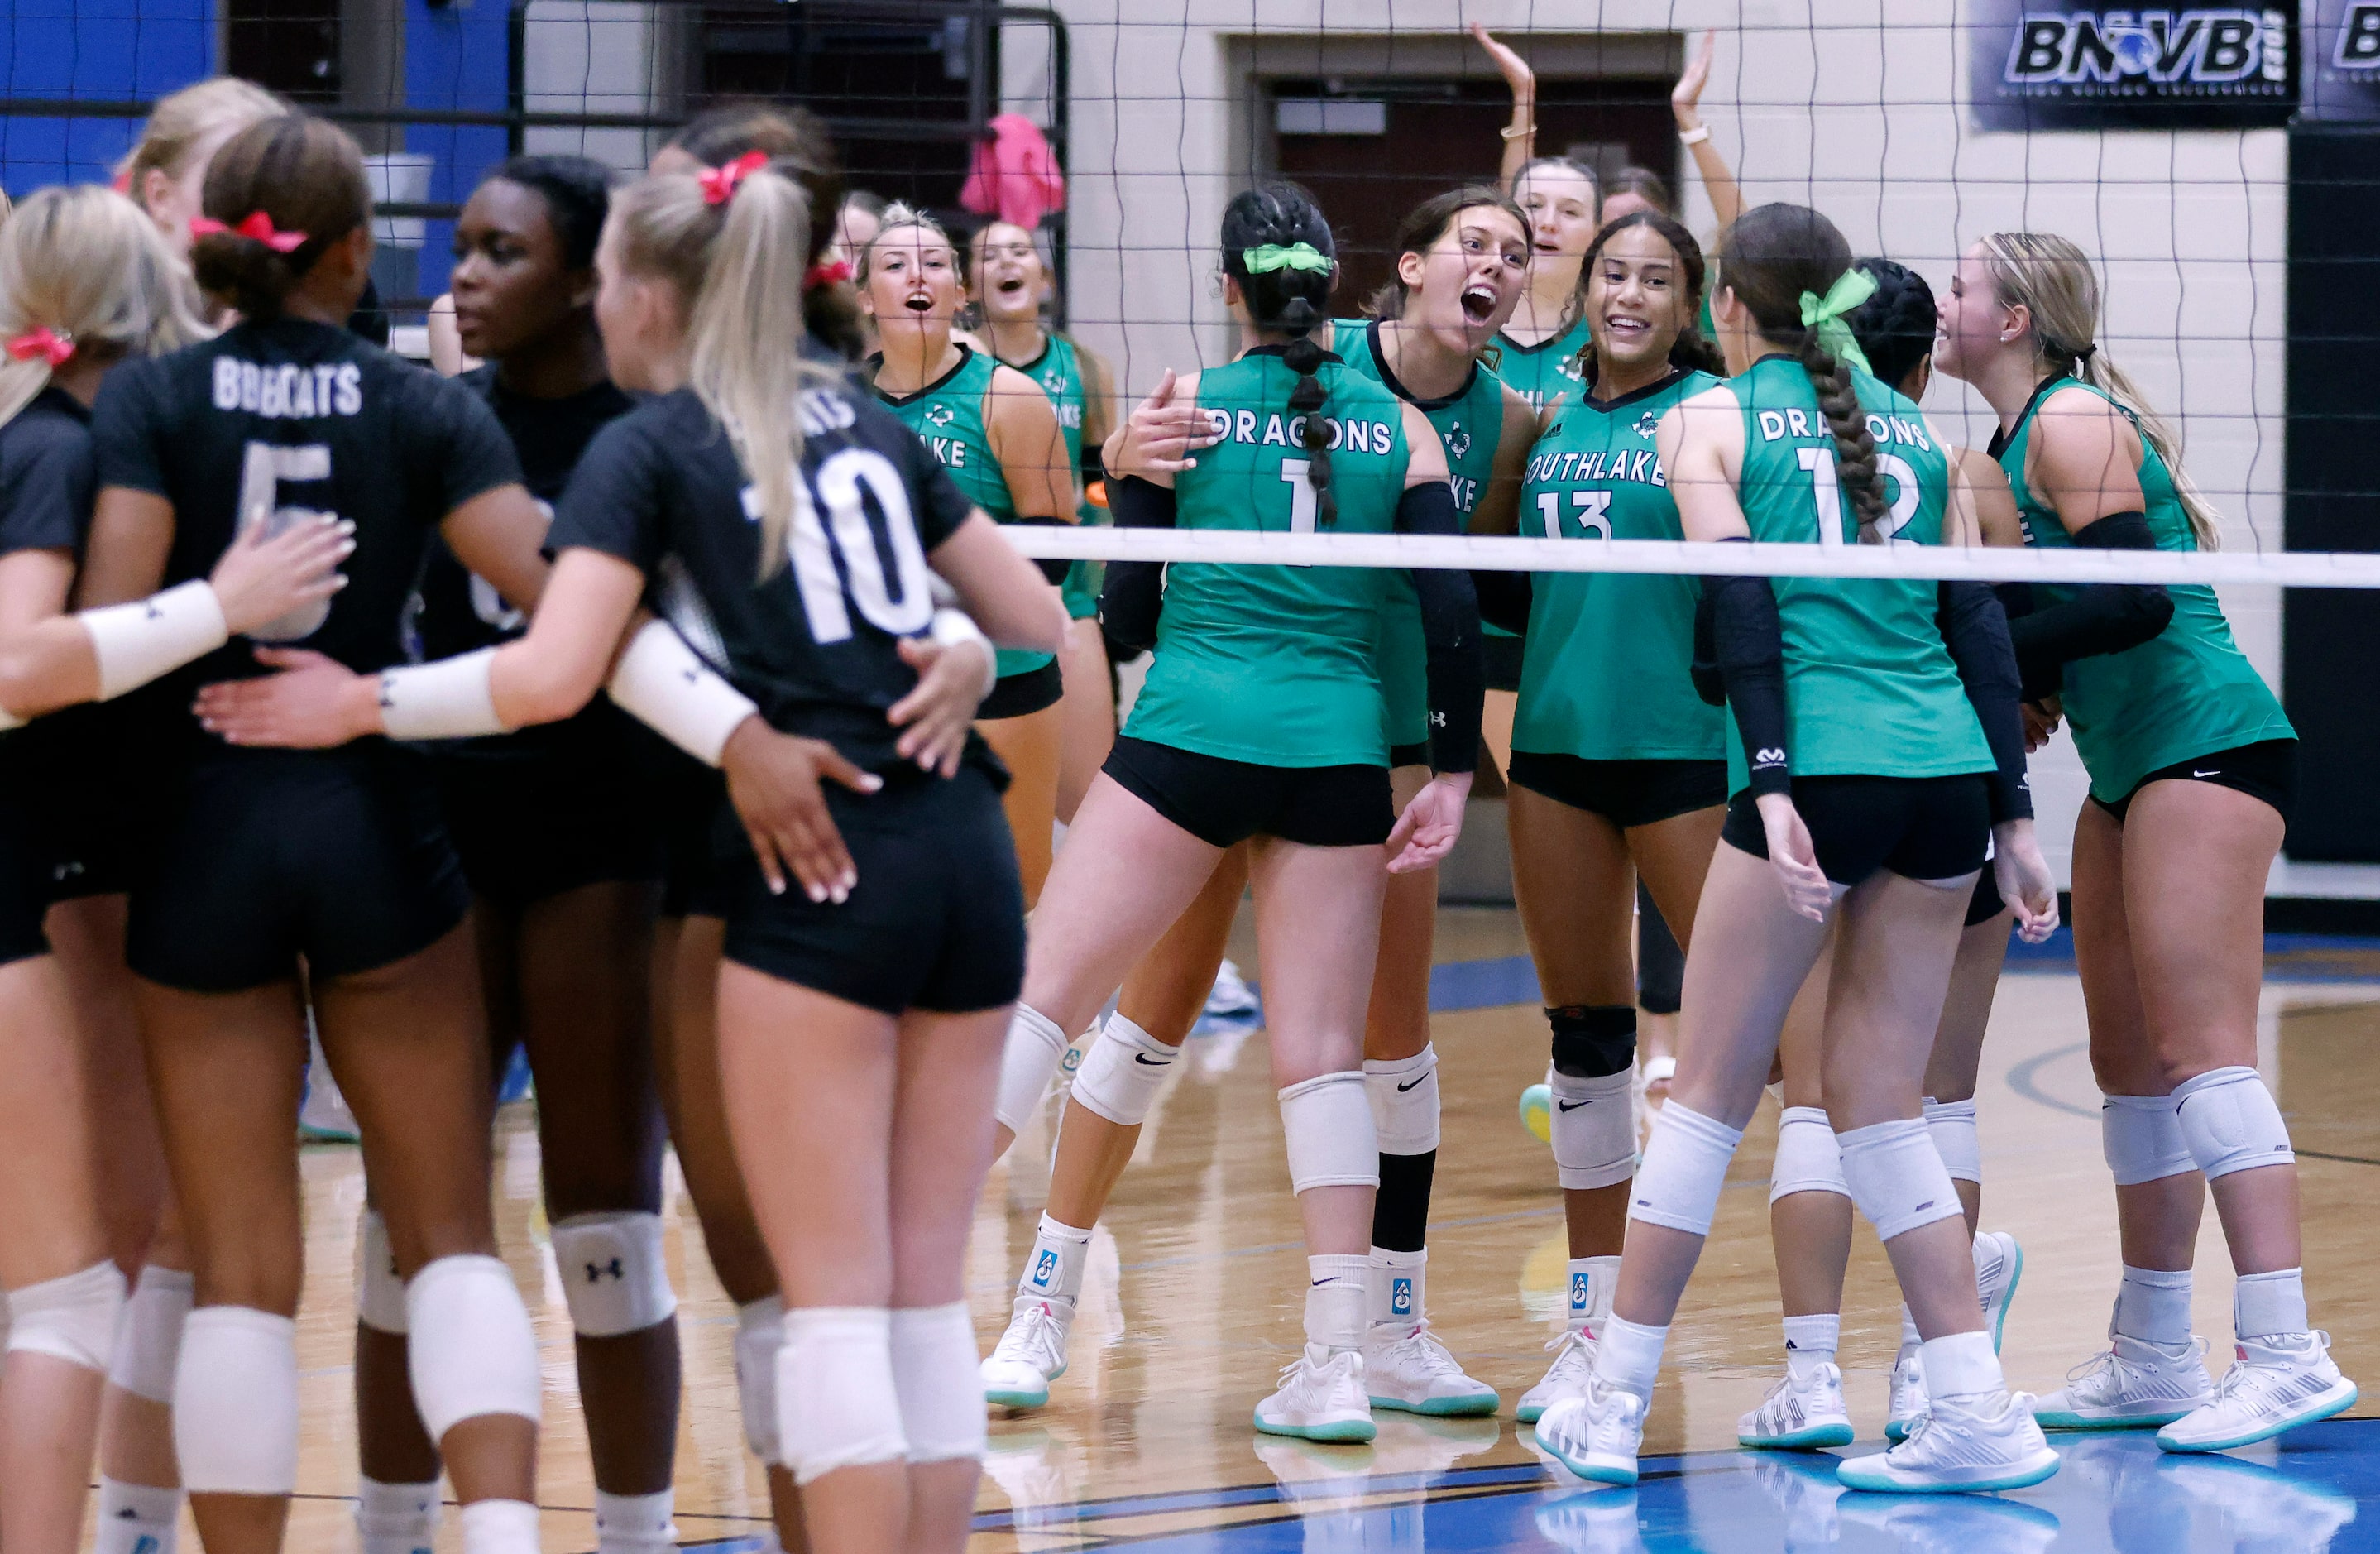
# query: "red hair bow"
826,273
257,227
42,342
718,183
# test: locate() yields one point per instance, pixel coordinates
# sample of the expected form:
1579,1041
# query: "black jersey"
283,417
814,644
459,611
48,477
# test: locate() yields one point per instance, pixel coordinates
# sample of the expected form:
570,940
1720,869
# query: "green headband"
1298,256
1826,315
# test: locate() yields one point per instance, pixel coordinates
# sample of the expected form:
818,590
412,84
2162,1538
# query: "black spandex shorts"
27,856
551,814
1504,654
2266,770
1985,903
936,921
91,771
264,856
1225,802
1920,828
1626,793
1013,695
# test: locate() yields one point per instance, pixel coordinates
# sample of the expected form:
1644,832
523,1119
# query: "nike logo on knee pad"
1423,1080
1153,1062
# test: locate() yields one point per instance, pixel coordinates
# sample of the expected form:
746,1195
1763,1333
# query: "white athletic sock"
499,1527
1055,1267
1399,1284
1337,1301
635,1523
1627,1355
1592,1284
1811,1341
2152,1305
2269,1304
1961,1367
136,1518
396,1518
1908,1336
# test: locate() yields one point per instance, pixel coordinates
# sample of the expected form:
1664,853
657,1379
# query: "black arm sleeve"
1449,629
2102,618
1052,567
1504,599
1134,593
1974,627
1750,641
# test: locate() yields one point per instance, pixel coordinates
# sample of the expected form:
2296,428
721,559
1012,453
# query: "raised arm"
1686,104
1521,135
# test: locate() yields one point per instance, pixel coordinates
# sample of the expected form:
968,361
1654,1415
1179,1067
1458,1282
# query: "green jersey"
1470,424
1278,665
1869,684
948,417
2187,692
1059,371
1543,372
1604,676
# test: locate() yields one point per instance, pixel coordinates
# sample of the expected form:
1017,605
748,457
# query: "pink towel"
1015,175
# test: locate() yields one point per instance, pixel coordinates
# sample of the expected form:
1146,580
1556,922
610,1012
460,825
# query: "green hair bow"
1298,256
1826,315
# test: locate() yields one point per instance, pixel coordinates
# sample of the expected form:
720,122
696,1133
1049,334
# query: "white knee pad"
1403,1096
380,1293
838,1404
1808,1159
149,1338
1121,1073
2141,1137
1684,1166
613,1275
1327,1121
472,1351
939,1378
73,1317
236,1402
1896,1177
1951,1124
1034,1049
759,1330
2230,1122
1595,1128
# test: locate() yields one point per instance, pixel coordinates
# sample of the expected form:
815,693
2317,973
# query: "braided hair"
1770,257
1289,301
1895,327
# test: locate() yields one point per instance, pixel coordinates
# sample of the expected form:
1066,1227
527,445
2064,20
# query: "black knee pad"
1593,1041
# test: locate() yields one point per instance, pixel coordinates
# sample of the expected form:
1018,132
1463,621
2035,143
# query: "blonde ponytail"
737,268
2051,278
85,264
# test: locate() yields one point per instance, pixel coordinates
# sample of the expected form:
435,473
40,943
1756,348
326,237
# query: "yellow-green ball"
1537,1112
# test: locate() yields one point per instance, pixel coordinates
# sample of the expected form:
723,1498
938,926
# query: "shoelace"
1422,1343
1291,1368
1021,1334
1566,1339
2119,1367
2240,1372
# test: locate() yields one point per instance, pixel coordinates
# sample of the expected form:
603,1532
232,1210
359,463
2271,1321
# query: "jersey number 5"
1826,493
262,468
812,547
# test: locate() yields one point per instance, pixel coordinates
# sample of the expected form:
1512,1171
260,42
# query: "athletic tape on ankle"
149,1344
1121,1073
1808,1159
1326,1123
1960,1365
613,1275
1403,1094
1400,1286
72,1318
1684,1166
135,643
236,1402
1895,1176
1952,1126
380,1293
1054,1269
938,1376
1594,1126
137,1518
2141,1137
2269,1304
2230,1124
1031,1054
759,1331
2152,1305
471,1350
838,1404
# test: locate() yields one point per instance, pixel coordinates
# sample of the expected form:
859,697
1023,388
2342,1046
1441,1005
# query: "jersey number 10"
827,591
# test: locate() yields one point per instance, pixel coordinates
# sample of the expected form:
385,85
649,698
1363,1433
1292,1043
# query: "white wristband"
135,643
1695,136
446,698
664,684
951,627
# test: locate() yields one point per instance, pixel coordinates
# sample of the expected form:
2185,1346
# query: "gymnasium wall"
1812,101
